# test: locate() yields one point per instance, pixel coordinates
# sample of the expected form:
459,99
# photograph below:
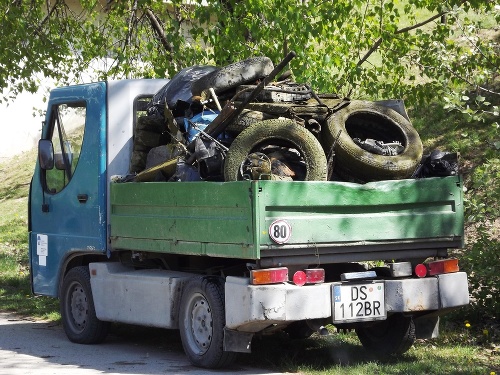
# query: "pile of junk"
250,120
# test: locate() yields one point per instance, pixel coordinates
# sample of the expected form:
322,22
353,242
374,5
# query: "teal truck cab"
225,261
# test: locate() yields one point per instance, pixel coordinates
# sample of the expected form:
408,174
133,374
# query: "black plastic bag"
438,164
177,90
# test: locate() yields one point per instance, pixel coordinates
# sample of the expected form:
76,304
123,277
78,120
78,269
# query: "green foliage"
482,213
481,260
476,138
413,50
483,201
418,50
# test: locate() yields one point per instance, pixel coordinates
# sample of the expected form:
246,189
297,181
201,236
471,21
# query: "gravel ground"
41,348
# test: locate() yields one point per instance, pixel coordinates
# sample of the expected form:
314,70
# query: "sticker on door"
42,249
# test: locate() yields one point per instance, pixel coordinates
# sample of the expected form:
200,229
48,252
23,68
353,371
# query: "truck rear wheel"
393,336
77,309
201,322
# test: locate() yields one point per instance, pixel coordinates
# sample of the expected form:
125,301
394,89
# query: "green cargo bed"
323,221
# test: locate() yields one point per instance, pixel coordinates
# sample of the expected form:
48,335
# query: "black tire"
138,161
245,119
233,75
367,120
279,132
77,309
299,330
390,337
147,139
202,320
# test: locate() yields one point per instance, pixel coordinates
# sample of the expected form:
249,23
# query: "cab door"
67,196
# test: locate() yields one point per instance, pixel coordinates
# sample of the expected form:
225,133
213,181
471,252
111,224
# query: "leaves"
363,48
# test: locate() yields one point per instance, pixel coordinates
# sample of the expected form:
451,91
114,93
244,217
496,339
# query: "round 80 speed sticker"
280,231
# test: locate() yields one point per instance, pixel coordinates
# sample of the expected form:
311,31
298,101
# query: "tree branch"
420,24
401,31
131,23
370,51
158,29
454,73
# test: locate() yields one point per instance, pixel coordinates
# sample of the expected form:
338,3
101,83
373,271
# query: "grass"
341,353
15,289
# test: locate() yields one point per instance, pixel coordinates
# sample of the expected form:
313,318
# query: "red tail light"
309,276
442,266
269,276
315,275
421,270
299,278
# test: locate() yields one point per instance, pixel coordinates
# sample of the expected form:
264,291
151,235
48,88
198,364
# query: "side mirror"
59,158
46,154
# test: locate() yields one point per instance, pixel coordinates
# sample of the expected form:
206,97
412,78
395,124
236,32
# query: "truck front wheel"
201,322
393,336
77,309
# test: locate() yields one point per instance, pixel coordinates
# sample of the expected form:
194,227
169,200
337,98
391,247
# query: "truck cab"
70,188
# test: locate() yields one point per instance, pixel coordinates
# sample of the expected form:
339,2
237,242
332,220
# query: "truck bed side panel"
345,212
200,218
232,219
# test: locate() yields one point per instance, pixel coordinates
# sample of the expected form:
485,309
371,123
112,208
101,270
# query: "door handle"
82,198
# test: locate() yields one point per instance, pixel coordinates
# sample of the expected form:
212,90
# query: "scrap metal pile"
243,121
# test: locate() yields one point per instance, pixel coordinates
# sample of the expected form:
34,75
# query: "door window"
67,125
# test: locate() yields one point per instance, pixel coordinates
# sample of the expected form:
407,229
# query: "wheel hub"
201,324
79,307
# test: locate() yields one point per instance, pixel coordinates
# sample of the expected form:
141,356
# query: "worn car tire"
202,320
77,309
281,132
151,123
245,119
146,138
233,75
391,337
368,120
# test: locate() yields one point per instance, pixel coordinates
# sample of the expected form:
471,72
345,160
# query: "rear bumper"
252,308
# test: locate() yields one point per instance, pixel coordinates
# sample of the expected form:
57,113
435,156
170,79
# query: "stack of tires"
292,151
350,162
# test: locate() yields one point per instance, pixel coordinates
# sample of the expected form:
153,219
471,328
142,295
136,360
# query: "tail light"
280,275
420,270
269,276
315,275
442,266
309,276
437,267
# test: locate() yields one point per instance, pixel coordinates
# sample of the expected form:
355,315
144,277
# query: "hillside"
14,186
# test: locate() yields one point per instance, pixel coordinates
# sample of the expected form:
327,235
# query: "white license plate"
358,302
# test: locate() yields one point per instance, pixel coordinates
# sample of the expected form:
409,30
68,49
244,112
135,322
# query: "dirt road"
41,348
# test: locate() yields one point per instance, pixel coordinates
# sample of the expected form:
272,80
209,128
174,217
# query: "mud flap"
427,327
235,341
